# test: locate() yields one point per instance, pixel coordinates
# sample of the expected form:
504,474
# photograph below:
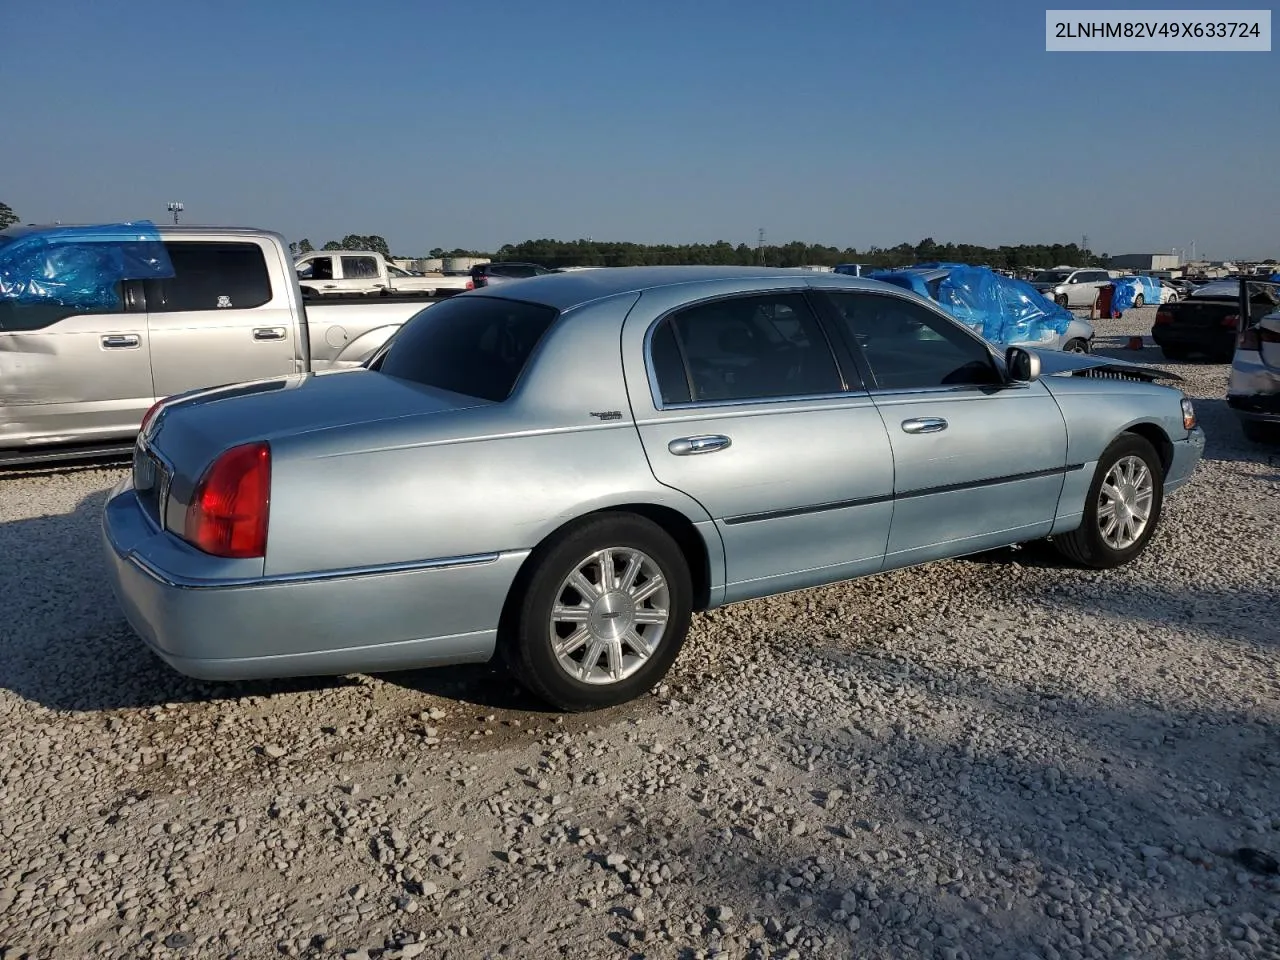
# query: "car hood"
217,418
1057,363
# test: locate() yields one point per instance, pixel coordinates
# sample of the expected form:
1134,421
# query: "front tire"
1139,300
601,614
1076,345
1060,300
1122,509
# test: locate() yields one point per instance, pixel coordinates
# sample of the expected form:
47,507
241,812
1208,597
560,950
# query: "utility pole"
175,208
760,247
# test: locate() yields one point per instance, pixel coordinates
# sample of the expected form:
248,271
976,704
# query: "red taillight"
1163,317
471,284
228,513
1231,321
150,415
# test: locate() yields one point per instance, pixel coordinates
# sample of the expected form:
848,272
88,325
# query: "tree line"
597,253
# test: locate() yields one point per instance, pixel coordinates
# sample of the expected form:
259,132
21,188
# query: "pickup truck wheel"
602,614
1139,300
1122,508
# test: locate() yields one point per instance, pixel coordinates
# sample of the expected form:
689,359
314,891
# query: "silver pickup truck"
98,322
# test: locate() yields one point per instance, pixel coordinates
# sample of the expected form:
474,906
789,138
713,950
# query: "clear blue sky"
473,125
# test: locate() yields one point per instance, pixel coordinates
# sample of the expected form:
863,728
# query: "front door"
741,404
217,320
978,462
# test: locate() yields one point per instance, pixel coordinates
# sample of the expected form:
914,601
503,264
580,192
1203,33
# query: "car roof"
567,290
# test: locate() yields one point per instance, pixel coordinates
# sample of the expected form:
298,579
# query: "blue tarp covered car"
1005,311
1129,289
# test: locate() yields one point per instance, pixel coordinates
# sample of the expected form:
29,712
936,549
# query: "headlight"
1188,415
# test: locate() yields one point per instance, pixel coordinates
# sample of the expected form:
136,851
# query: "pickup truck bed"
99,322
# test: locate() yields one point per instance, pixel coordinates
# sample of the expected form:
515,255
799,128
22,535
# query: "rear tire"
1176,354
1139,300
1128,485
582,644
1076,345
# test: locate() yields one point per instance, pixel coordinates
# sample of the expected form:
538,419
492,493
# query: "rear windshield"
473,345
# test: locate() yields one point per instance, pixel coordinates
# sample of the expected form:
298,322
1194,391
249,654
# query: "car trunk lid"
191,430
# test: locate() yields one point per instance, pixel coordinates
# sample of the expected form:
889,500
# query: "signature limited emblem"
607,414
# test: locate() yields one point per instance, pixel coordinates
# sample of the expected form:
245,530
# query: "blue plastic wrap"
1003,310
1128,288
80,266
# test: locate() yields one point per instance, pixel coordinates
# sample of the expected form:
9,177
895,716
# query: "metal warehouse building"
1145,261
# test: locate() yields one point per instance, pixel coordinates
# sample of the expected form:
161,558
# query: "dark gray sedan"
565,469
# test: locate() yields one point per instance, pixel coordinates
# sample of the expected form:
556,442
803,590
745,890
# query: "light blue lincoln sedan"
564,469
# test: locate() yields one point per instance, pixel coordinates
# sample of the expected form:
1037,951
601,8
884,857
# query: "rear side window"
211,276
359,268
476,346
755,347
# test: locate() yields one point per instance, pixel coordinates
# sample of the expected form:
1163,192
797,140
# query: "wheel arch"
674,523
1155,435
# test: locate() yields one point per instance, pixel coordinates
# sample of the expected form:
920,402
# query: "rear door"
74,374
741,403
977,463
220,318
358,274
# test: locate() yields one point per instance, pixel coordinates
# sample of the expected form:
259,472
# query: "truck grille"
150,482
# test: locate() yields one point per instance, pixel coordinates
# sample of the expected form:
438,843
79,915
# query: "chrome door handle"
268,333
685,446
924,425
120,341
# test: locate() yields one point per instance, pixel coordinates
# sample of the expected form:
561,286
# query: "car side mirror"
1023,365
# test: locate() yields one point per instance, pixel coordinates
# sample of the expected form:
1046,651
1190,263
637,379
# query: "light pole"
175,208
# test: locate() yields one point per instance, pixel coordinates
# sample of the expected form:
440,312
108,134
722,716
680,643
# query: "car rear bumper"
330,623
1216,340
1263,408
1187,454
1254,389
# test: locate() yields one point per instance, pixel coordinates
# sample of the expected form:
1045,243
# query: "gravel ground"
987,758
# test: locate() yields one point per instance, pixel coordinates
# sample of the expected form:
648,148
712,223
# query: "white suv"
1073,286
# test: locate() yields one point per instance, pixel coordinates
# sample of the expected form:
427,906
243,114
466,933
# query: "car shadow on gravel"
63,641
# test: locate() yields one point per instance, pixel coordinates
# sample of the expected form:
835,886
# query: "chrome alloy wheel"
609,615
1124,502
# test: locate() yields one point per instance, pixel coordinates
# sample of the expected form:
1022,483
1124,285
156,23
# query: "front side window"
359,268
475,346
908,346
211,275
744,348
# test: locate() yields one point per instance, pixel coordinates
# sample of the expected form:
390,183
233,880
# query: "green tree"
332,245
7,216
304,246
